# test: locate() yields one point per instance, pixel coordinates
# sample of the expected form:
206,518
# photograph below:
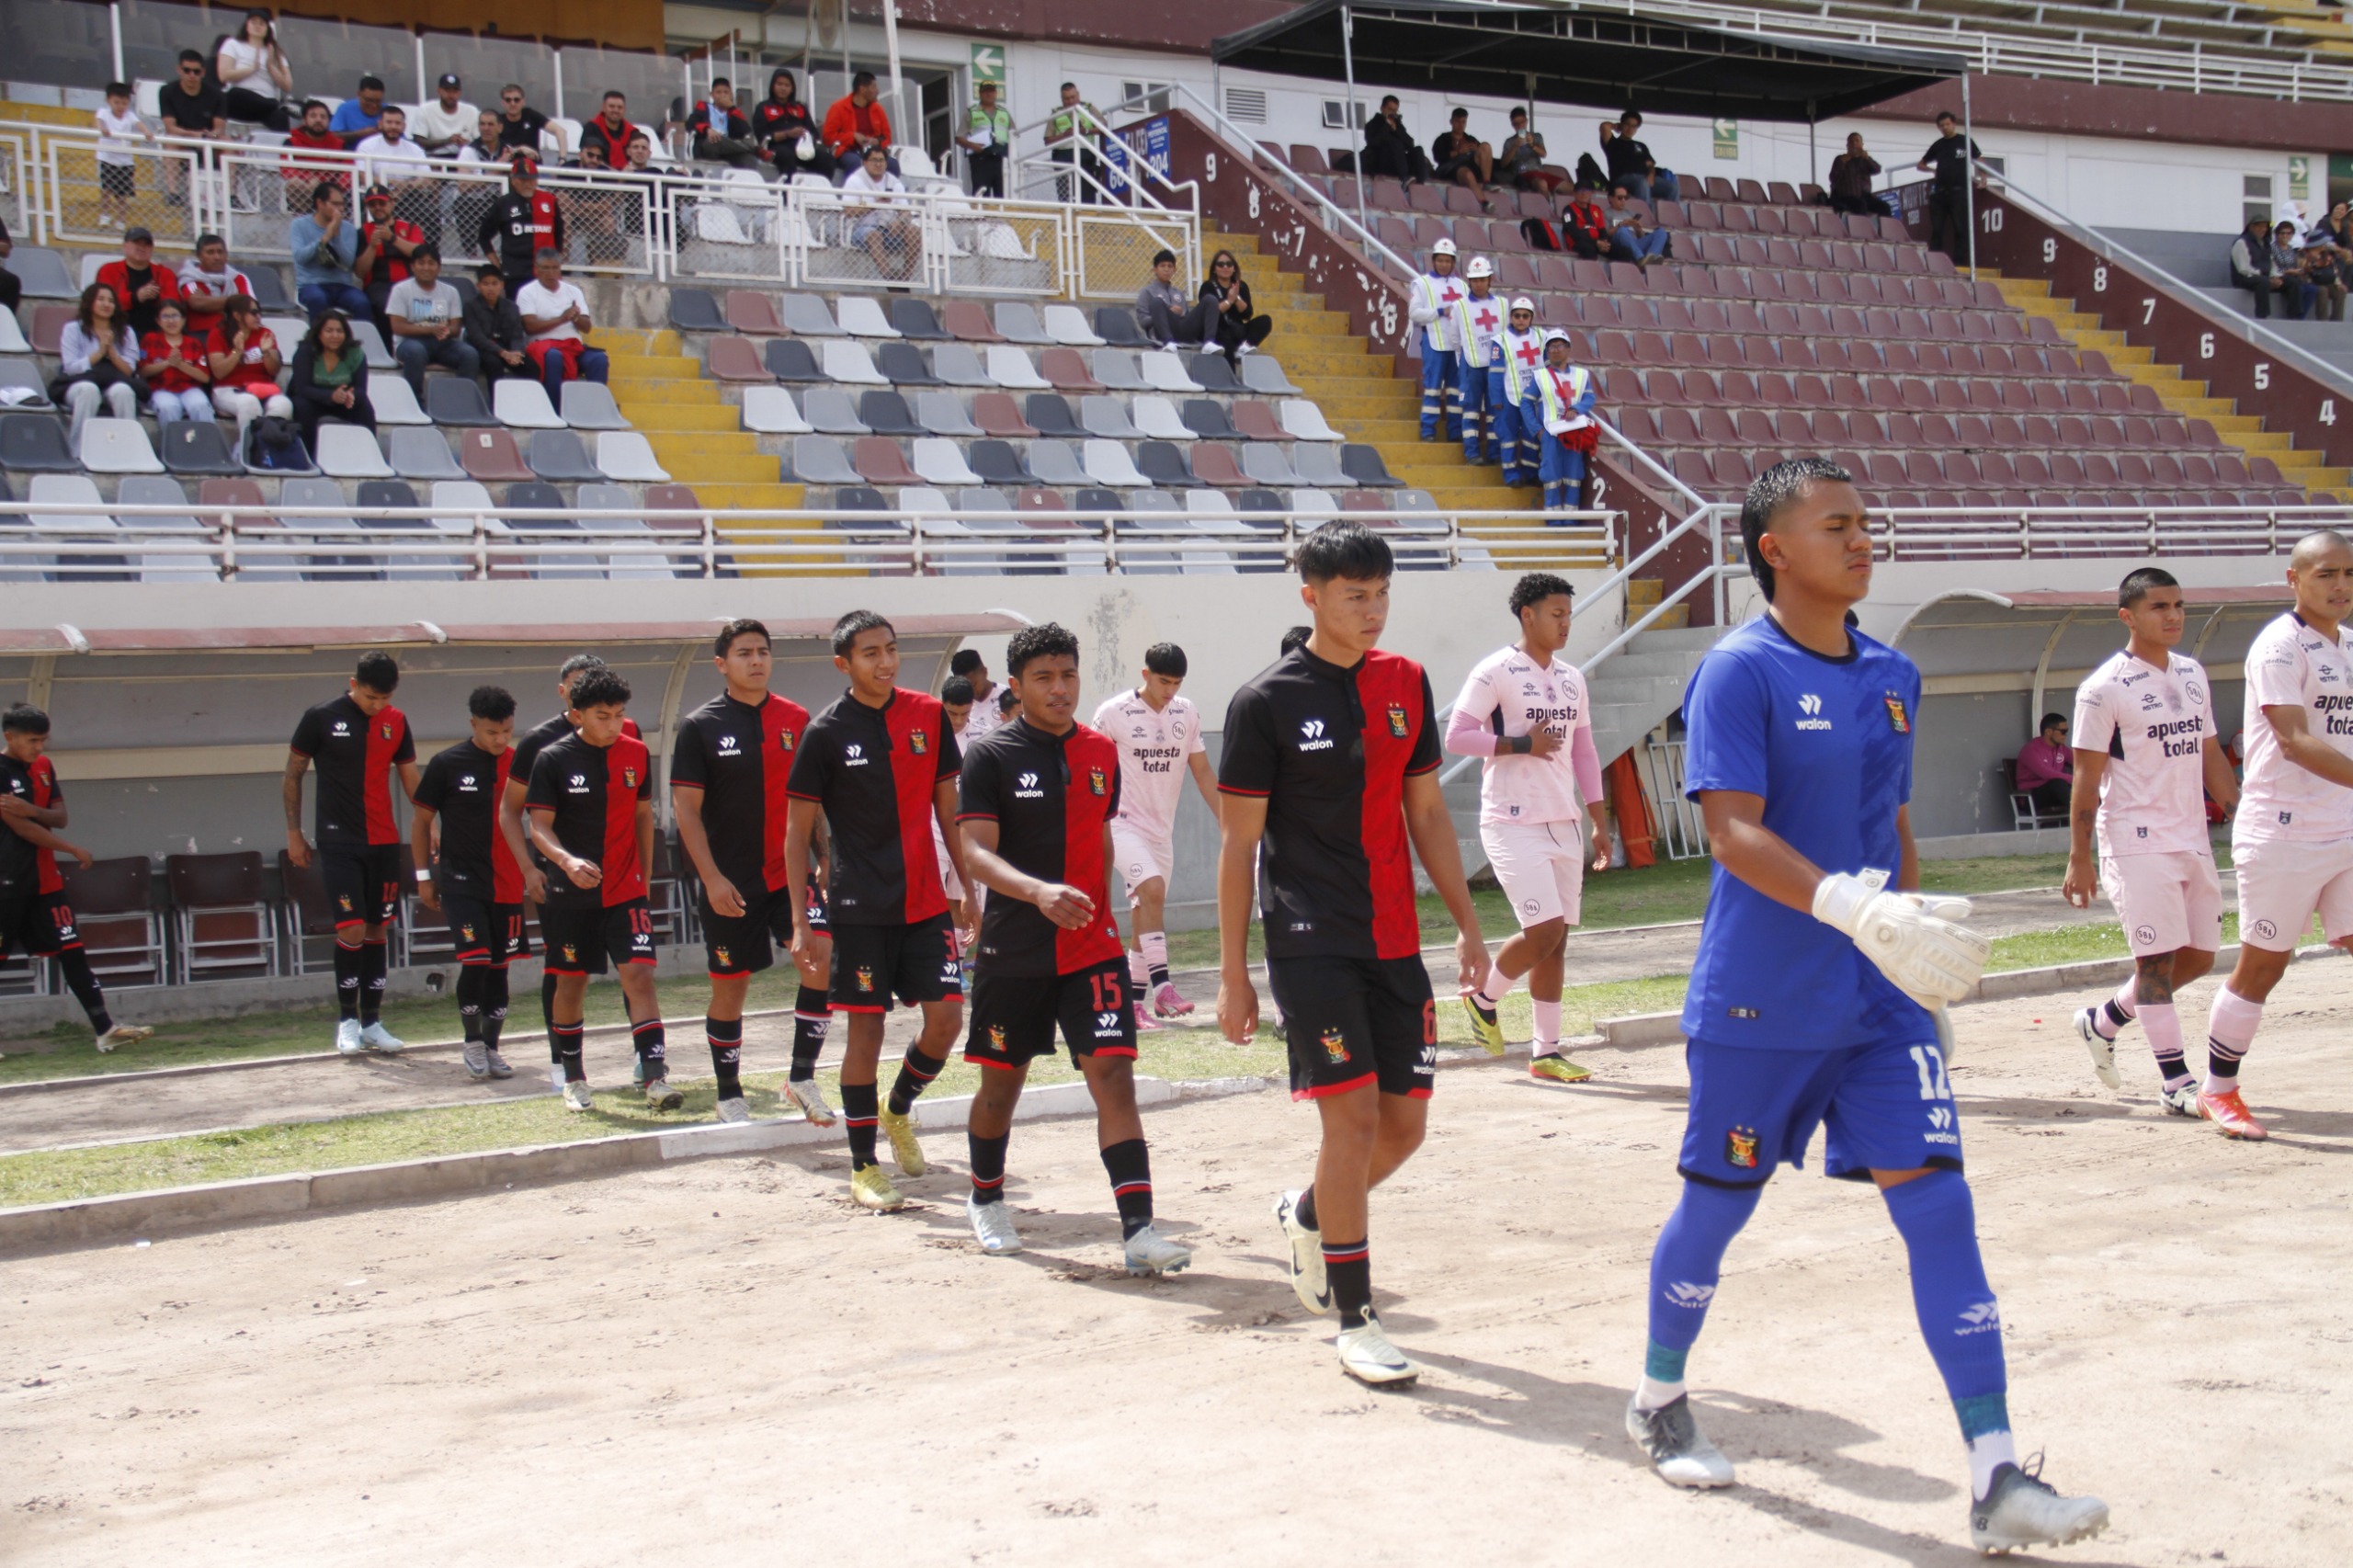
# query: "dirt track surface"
723,1362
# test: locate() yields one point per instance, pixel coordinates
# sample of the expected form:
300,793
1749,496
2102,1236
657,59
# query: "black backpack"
276,444
1590,173
1539,234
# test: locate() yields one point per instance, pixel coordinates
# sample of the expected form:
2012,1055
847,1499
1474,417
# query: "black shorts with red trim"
363,881
1354,1021
747,943
580,938
1014,1015
482,933
41,924
873,964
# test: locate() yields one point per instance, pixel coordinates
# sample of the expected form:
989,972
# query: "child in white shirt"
117,177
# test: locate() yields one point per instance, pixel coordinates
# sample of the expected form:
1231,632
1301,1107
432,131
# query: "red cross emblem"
1485,318
1527,353
1449,293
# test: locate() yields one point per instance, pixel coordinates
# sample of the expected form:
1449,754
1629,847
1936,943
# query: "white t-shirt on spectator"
859,184
194,280
116,132
250,60
409,302
431,122
384,162
535,299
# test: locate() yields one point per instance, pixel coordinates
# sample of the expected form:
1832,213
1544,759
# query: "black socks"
915,1074
1129,1165
988,1167
374,957
469,988
809,1018
858,1120
75,965
1347,1270
347,978
726,1037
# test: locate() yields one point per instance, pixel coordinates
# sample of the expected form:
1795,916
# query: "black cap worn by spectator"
136,236
449,79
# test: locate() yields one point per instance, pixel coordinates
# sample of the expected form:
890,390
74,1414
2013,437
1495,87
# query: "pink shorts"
2166,900
1540,866
2282,884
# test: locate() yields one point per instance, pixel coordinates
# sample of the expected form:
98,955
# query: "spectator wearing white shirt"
427,319
885,226
392,157
206,282
117,171
443,125
256,80
556,315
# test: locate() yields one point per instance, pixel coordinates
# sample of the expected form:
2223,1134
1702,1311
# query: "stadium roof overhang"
64,639
1564,54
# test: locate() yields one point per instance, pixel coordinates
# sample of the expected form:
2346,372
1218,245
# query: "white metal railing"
1977,533
2191,67
205,542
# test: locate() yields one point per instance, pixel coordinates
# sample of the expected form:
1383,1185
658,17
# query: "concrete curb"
93,1221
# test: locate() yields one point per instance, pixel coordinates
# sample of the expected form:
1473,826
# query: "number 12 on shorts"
1930,1061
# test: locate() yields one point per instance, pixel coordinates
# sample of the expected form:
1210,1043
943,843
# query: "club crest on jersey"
1897,720
1097,781
997,1036
385,731
1397,721
784,740
629,777
866,979
1336,1049
919,741
1740,1148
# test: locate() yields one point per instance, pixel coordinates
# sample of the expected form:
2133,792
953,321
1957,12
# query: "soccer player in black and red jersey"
478,885
1331,758
34,914
881,763
510,819
591,805
1038,797
728,770
353,741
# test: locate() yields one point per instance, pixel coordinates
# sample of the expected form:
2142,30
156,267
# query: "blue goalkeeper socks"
1685,1266
1956,1307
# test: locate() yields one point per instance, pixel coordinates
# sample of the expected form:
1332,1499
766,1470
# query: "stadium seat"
1065,371
165,564
1158,418
1208,419
522,405
862,317
941,461
804,315
22,375
753,314
547,534
455,399
847,362
942,413
1010,367
1163,465
1265,464
1319,467
886,414
1214,465
997,413
198,447
589,405
422,455
1016,322
1107,417
223,927
559,456
693,310
1050,414
490,456
49,327
789,360
1305,421
735,359
348,452
997,462
270,288
1107,463
1057,462
69,490
1165,372
830,411
901,364
820,459
372,346
912,318
771,411
1213,373
1255,421
956,365
968,321
628,455
1116,369
879,461
394,402
1264,374
41,273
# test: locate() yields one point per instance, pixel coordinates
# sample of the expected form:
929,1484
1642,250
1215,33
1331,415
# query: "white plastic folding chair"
771,411
848,363
862,317
522,405
1158,419
1010,368
395,403
1067,323
941,461
117,446
1108,464
1305,421
628,456
350,451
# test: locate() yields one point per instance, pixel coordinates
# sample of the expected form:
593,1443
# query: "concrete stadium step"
44,114
664,391
650,416
767,496
655,366
616,341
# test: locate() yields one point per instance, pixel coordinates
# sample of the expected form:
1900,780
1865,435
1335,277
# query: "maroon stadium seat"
737,359
880,462
968,321
492,457
751,312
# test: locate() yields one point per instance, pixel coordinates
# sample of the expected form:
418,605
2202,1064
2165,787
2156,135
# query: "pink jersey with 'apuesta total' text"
2292,666
2153,724
1508,693
1154,745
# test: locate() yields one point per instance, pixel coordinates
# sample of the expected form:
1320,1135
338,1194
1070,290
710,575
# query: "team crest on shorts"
720,954
1334,1048
467,931
1897,720
1397,721
343,899
1098,782
919,741
997,1036
571,954
866,979
1740,1148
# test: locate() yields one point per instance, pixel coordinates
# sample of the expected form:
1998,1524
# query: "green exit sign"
1727,138
988,64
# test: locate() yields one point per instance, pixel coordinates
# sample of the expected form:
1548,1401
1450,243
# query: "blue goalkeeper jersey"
1827,742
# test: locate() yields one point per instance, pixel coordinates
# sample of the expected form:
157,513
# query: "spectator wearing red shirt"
605,143
385,244
303,174
138,282
856,123
1584,224
207,280
2047,768
245,360
174,364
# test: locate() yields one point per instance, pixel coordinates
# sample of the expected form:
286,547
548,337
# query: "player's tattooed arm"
1431,827
2221,781
420,846
298,848
2083,817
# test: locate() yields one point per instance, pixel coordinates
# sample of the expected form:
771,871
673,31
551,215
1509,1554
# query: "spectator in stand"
177,369
1634,236
428,322
12,287
325,245
604,143
193,109
329,381
2325,269
1390,149
1851,173
2336,229
883,224
1459,156
98,362
312,135
1162,310
653,223
1235,327
118,167
443,125
1631,163
987,138
2296,290
485,147
1523,154
355,118
523,222
495,327
256,80
1071,131
520,125
1584,224
393,161
386,243
1950,155
207,280
556,315
786,130
2047,768
2251,264
722,134
139,282
245,361
854,124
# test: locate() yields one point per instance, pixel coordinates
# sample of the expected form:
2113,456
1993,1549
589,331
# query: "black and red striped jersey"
24,867
740,758
1051,797
874,770
594,792
352,753
1330,749
532,742
463,785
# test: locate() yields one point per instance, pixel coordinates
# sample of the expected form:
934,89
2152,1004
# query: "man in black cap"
138,283
446,124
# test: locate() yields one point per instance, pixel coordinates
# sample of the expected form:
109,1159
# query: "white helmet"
1479,268
1522,304
1554,335
1444,247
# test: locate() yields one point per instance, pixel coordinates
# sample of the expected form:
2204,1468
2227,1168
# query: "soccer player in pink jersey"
1524,709
2146,757
2292,840
1159,736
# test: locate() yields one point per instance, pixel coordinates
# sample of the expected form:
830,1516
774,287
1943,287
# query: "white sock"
2229,1030
1652,1394
1548,1025
2164,1025
1497,986
1987,1454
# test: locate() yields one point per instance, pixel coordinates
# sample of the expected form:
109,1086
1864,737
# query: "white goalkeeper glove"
1916,940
